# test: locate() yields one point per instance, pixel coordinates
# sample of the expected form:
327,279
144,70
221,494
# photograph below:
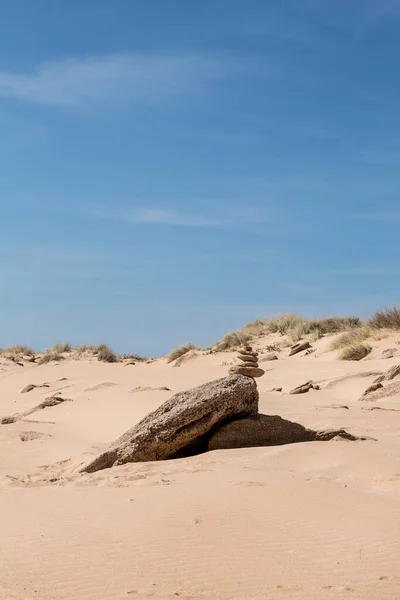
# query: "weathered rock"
388,353
393,389
248,358
389,374
247,363
268,357
246,354
259,430
299,348
51,401
341,434
28,388
304,388
185,419
247,371
8,420
370,389
266,430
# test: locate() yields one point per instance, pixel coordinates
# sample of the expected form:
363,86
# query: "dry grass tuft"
178,352
105,354
352,337
136,357
357,352
292,325
18,350
386,319
49,356
85,350
232,340
62,348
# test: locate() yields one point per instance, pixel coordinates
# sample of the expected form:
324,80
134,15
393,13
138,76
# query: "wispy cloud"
177,218
139,77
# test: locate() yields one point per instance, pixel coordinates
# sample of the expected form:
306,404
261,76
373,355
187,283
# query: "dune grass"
136,357
386,319
352,337
288,324
18,350
62,348
180,351
356,352
105,354
49,356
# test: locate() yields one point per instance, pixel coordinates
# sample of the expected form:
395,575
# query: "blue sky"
171,170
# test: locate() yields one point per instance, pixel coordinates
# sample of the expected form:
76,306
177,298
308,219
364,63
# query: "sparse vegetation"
386,319
49,356
352,337
85,349
292,325
178,352
105,354
357,352
62,348
136,357
18,350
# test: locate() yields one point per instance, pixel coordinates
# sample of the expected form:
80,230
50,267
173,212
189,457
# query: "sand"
317,520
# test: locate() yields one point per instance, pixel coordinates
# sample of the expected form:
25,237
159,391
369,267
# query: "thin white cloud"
140,77
173,217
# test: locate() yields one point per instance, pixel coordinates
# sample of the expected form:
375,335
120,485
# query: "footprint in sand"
29,436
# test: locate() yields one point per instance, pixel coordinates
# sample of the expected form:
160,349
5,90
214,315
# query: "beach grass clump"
18,350
180,351
49,356
292,325
386,319
356,352
136,357
62,348
105,354
352,337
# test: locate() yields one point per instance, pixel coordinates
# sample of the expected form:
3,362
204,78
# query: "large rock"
259,430
185,419
266,430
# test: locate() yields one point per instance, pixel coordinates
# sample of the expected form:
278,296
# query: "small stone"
304,388
371,388
247,371
8,420
248,359
268,357
389,353
245,353
250,364
389,374
28,388
299,348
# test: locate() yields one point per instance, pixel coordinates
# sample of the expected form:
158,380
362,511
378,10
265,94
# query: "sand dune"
312,520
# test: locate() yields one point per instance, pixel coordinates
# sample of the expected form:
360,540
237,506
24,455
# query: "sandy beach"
309,520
